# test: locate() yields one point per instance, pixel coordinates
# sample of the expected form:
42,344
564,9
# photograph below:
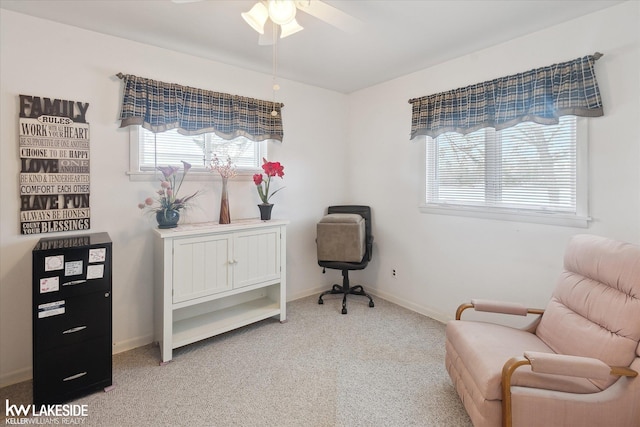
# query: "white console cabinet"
213,278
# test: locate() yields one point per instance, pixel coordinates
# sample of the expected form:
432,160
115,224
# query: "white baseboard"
16,377
426,311
130,344
307,292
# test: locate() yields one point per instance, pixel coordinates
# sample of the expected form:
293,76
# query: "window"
149,150
526,172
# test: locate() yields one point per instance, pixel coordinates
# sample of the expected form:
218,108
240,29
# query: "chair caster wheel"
344,311
371,304
320,301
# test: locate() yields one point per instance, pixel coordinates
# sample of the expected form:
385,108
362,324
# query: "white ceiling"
397,38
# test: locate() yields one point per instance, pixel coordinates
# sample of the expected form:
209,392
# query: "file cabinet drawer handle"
76,329
76,376
74,282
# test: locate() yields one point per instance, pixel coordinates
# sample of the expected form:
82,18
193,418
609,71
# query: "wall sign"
54,165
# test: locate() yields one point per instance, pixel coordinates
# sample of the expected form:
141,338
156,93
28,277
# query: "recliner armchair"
339,238
577,364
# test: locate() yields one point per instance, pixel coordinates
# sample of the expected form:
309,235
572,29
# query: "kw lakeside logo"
60,414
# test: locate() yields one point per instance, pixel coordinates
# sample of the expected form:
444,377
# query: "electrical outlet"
394,273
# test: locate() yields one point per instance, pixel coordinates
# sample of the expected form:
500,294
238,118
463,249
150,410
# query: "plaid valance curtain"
159,106
541,95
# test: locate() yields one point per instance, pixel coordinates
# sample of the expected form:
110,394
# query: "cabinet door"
201,267
256,257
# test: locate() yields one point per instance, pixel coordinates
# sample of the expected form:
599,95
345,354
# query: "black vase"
265,211
167,218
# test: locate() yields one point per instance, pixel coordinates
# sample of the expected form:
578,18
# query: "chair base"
346,290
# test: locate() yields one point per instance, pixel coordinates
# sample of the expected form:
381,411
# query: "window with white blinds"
170,147
527,168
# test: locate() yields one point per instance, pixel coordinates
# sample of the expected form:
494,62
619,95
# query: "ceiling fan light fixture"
290,28
256,17
282,11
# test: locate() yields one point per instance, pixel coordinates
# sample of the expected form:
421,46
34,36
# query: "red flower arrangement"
262,181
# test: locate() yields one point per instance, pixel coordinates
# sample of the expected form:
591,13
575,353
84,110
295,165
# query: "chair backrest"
363,211
595,308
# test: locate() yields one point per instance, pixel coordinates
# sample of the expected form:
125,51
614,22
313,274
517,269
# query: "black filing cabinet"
71,317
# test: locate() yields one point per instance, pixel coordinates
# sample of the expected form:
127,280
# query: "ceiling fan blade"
330,15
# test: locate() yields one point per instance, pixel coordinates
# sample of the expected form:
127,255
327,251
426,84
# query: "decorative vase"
167,218
225,216
265,211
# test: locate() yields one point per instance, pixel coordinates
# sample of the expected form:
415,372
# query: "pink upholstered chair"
576,365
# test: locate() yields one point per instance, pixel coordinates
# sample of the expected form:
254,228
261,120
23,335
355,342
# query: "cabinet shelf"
206,325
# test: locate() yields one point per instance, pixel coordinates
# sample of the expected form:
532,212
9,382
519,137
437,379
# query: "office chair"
341,237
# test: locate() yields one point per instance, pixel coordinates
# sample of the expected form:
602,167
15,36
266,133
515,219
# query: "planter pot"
167,218
265,211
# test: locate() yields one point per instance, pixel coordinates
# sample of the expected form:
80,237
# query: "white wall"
42,58
443,261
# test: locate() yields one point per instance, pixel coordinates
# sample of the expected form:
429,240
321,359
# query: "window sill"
565,220
136,176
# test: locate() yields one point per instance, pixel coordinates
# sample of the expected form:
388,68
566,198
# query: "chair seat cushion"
485,347
341,238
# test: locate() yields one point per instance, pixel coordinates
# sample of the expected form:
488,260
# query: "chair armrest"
558,364
493,306
574,366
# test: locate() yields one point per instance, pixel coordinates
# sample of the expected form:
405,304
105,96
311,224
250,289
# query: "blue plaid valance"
541,96
159,106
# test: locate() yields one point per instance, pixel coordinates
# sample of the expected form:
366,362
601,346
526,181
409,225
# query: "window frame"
580,219
136,174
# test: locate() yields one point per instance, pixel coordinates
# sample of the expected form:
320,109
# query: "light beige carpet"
381,366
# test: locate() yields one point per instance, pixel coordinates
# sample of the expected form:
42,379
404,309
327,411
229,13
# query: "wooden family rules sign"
54,165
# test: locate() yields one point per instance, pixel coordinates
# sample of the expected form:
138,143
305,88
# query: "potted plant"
168,203
263,182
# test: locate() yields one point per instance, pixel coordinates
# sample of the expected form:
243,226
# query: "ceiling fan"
282,14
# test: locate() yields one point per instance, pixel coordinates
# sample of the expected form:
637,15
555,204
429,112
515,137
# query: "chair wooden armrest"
494,306
557,364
